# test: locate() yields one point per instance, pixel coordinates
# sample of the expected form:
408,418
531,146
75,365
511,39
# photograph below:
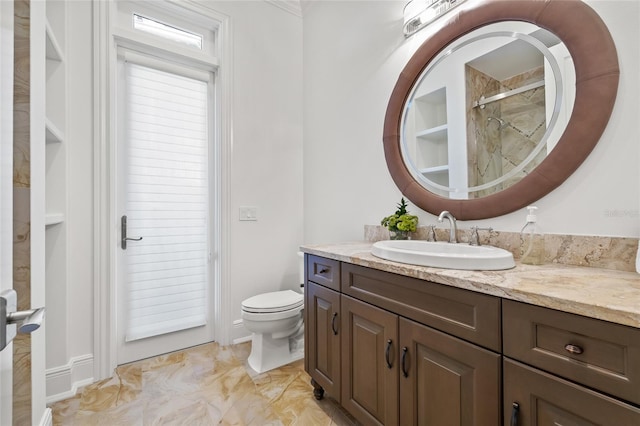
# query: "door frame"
6,196
105,216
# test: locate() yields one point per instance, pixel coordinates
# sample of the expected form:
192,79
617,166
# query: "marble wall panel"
21,209
616,253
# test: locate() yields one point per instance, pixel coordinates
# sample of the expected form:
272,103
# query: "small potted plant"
401,223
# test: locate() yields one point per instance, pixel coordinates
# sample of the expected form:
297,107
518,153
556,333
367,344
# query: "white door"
6,194
164,268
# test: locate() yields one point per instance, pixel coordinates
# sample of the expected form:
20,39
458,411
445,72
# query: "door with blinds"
164,272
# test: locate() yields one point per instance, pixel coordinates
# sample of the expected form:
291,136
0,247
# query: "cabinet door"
369,363
322,340
445,381
535,398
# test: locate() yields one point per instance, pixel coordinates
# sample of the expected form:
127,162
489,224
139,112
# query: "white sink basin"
444,255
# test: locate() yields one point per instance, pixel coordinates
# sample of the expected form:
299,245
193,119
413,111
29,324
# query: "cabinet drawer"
323,271
599,354
471,316
544,399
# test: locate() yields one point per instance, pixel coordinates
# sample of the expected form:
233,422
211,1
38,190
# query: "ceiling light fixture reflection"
419,13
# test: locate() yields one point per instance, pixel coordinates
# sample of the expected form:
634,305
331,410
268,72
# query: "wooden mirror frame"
597,74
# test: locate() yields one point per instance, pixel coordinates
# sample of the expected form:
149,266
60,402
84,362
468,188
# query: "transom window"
170,32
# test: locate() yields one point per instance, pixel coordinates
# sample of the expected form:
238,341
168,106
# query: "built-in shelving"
53,52
438,132
434,170
55,113
56,215
431,131
53,134
430,137
51,219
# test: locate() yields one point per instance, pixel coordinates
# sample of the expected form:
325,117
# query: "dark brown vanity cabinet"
394,369
322,322
399,350
322,327
595,366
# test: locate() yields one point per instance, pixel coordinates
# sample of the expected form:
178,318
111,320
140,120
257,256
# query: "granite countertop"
604,294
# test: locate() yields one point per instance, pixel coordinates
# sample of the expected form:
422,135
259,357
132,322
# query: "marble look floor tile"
204,385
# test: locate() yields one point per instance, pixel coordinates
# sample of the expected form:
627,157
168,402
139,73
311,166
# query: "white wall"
353,54
266,168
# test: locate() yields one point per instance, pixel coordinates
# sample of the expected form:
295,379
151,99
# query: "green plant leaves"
401,220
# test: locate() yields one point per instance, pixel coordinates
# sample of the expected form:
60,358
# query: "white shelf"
51,219
437,97
54,51
436,169
434,133
53,134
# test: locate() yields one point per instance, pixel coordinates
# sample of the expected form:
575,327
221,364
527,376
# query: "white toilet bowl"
275,319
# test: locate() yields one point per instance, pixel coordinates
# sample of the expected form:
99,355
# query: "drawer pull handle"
573,349
334,328
515,409
405,373
387,354
323,271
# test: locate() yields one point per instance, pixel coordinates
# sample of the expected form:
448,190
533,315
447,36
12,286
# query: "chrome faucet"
431,233
474,239
452,225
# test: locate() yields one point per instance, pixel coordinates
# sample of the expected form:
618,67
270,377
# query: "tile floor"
204,385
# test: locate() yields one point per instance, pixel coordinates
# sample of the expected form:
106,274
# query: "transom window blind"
166,273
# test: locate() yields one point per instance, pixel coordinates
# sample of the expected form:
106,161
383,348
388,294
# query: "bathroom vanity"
535,345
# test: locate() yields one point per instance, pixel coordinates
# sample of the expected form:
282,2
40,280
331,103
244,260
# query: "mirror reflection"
487,110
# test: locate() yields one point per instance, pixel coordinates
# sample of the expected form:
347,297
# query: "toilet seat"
277,301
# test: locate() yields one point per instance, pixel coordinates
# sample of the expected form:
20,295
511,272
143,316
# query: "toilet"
277,326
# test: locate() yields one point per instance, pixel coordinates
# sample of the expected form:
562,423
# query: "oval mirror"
486,110
483,121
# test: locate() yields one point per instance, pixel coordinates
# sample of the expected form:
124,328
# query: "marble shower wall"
21,210
494,148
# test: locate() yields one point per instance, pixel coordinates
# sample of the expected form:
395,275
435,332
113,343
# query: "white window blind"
166,273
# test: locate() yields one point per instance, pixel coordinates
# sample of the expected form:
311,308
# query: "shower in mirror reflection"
507,129
501,123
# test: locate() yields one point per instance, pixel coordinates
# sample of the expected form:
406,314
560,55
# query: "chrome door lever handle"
123,233
29,321
26,321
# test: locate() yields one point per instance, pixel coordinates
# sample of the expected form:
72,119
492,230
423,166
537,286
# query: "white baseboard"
239,334
47,418
63,382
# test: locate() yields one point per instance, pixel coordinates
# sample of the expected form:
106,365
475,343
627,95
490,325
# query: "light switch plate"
248,213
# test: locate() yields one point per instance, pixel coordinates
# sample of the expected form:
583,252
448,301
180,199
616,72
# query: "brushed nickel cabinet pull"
573,349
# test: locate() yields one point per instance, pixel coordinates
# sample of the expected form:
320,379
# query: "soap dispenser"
532,240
